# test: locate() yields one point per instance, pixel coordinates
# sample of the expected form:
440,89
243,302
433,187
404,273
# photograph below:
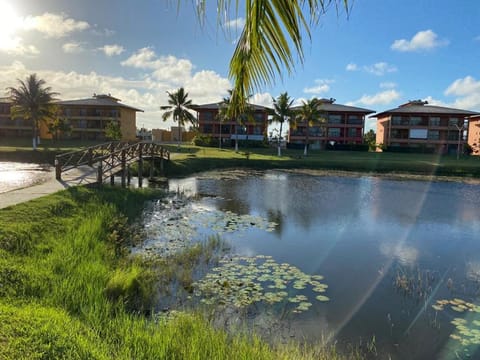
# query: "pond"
394,264
15,175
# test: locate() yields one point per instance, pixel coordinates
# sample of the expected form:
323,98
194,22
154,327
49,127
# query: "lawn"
189,159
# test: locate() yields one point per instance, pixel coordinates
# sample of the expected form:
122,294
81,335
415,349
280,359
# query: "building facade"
474,134
424,128
227,130
86,118
342,125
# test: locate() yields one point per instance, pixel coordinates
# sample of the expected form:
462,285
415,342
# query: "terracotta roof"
215,106
421,107
329,106
97,100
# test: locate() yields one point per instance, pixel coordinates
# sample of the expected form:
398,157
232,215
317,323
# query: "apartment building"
343,125
87,118
474,134
424,128
254,129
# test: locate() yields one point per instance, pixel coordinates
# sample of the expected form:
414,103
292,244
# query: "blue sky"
380,56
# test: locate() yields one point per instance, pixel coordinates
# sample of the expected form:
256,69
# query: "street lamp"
460,130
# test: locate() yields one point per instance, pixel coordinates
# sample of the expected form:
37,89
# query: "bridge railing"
108,156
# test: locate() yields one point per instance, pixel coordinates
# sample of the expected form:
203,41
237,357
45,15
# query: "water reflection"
15,175
360,233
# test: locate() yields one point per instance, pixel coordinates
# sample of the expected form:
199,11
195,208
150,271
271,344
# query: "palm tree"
309,114
179,109
282,108
32,101
273,31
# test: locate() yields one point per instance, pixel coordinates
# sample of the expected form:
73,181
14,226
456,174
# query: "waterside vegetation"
69,289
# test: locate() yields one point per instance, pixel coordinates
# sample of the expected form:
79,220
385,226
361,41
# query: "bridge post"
112,150
100,173
90,157
140,165
123,166
58,170
161,160
152,161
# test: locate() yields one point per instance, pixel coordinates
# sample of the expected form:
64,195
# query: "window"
354,120
334,132
352,132
258,117
334,119
257,130
434,121
433,134
207,116
315,131
396,120
453,121
415,120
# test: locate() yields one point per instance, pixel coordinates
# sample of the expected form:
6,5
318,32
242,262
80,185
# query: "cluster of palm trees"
308,114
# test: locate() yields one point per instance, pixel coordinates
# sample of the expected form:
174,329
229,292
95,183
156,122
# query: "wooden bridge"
112,158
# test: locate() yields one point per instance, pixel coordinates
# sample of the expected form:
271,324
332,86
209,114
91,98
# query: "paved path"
80,176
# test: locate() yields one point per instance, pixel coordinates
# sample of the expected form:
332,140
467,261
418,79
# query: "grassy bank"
191,159
68,290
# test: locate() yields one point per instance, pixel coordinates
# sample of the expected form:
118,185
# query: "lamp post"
460,130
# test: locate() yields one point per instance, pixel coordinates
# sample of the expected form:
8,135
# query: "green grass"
191,159
67,292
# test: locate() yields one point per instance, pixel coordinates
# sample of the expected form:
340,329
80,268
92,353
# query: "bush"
205,140
348,147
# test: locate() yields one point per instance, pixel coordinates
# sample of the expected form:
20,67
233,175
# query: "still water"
15,175
388,250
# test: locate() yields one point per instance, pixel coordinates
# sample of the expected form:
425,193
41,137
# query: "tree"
309,114
113,131
370,138
273,31
32,101
58,124
178,108
282,111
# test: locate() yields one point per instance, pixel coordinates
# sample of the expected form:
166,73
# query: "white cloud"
165,68
382,98
146,93
467,93
111,50
235,24
422,40
351,67
54,25
321,86
263,99
380,68
388,85
73,48
15,46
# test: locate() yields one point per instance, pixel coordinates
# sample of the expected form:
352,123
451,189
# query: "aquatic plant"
468,329
242,281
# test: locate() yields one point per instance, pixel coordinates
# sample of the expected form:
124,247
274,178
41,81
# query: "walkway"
80,176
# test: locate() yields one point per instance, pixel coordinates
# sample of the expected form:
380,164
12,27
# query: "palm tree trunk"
34,135
279,150
179,134
306,143
236,137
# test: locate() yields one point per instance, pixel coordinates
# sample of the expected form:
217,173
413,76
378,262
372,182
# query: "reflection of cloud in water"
473,270
186,186
407,255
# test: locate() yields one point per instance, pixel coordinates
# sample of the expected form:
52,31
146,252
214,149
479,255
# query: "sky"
377,56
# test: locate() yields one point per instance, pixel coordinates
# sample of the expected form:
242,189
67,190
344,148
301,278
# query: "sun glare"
9,23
